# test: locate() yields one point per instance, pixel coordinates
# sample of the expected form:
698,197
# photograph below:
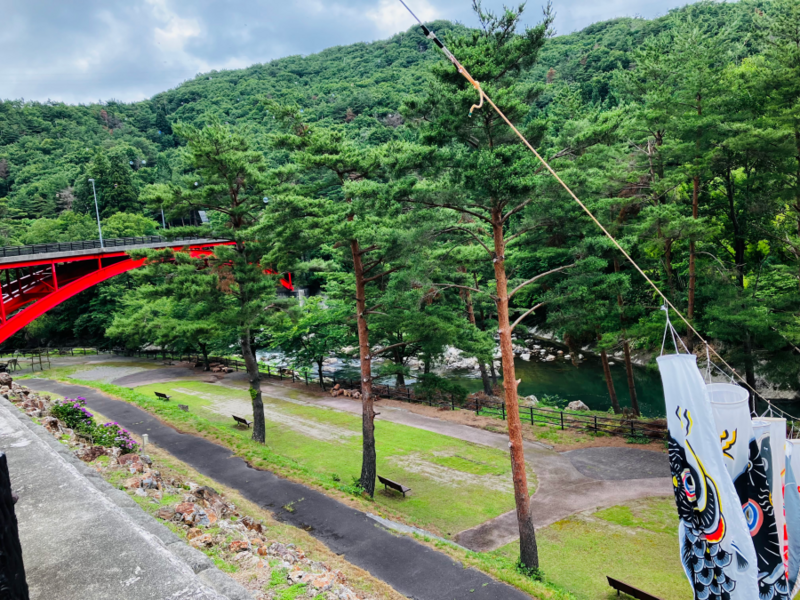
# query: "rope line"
484,96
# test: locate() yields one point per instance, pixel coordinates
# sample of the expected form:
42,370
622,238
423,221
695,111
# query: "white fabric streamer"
717,551
792,505
777,435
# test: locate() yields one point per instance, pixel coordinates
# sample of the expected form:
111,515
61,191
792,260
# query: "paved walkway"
568,483
409,567
82,539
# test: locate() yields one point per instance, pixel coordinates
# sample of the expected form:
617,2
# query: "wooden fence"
535,415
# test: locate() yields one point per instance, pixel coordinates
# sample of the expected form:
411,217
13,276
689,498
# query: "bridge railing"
86,245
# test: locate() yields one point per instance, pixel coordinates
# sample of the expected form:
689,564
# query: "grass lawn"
455,484
636,543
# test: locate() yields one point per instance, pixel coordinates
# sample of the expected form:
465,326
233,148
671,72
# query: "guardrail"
8,251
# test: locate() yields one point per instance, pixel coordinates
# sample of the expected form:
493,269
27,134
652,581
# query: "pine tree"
227,179
335,207
488,180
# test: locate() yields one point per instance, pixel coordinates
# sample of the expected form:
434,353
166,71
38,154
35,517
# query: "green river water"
584,382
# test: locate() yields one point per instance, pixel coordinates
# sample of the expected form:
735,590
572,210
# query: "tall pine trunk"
320,372
609,382
797,184
487,387
368,455
528,551
493,373
749,372
692,255
631,383
204,351
259,427
627,349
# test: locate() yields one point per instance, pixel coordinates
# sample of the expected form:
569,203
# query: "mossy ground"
636,543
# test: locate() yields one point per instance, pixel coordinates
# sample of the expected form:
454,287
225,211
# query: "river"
584,382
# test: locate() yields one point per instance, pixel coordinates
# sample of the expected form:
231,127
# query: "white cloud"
86,50
390,16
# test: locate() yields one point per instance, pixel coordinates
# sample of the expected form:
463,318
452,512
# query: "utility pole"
97,212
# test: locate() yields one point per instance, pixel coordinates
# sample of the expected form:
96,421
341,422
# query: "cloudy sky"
89,50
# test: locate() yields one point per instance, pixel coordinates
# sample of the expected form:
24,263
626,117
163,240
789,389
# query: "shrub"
429,386
111,435
553,401
534,573
73,414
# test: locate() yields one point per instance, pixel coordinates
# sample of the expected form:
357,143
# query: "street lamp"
97,211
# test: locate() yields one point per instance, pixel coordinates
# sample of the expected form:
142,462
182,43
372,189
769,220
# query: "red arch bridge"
34,279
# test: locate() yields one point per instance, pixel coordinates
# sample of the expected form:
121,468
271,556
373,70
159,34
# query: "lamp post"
97,212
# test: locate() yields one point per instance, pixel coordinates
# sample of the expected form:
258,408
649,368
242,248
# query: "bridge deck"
11,255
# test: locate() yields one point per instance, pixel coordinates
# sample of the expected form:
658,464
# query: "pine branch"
525,314
477,239
539,276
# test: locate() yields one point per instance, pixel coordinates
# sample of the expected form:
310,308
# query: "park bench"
162,396
241,421
388,483
183,407
625,588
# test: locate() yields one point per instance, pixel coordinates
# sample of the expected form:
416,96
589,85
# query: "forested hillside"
681,133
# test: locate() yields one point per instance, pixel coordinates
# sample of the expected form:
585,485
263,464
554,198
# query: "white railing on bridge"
10,251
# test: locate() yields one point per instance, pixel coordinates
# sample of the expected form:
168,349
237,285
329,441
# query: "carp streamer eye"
753,515
688,485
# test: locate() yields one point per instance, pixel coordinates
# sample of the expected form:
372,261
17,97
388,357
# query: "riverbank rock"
529,400
577,405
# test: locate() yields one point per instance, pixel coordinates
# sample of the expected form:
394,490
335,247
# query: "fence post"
292,375
531,414
562,420
268,373
633,431
452,402
477,406
503,408
306,377
595,424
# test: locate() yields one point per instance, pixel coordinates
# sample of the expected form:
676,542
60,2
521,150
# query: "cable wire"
484,96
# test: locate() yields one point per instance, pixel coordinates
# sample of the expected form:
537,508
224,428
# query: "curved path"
411,568
568,483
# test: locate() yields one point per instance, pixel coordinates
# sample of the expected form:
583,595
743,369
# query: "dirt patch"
241,407
107,374
414,463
